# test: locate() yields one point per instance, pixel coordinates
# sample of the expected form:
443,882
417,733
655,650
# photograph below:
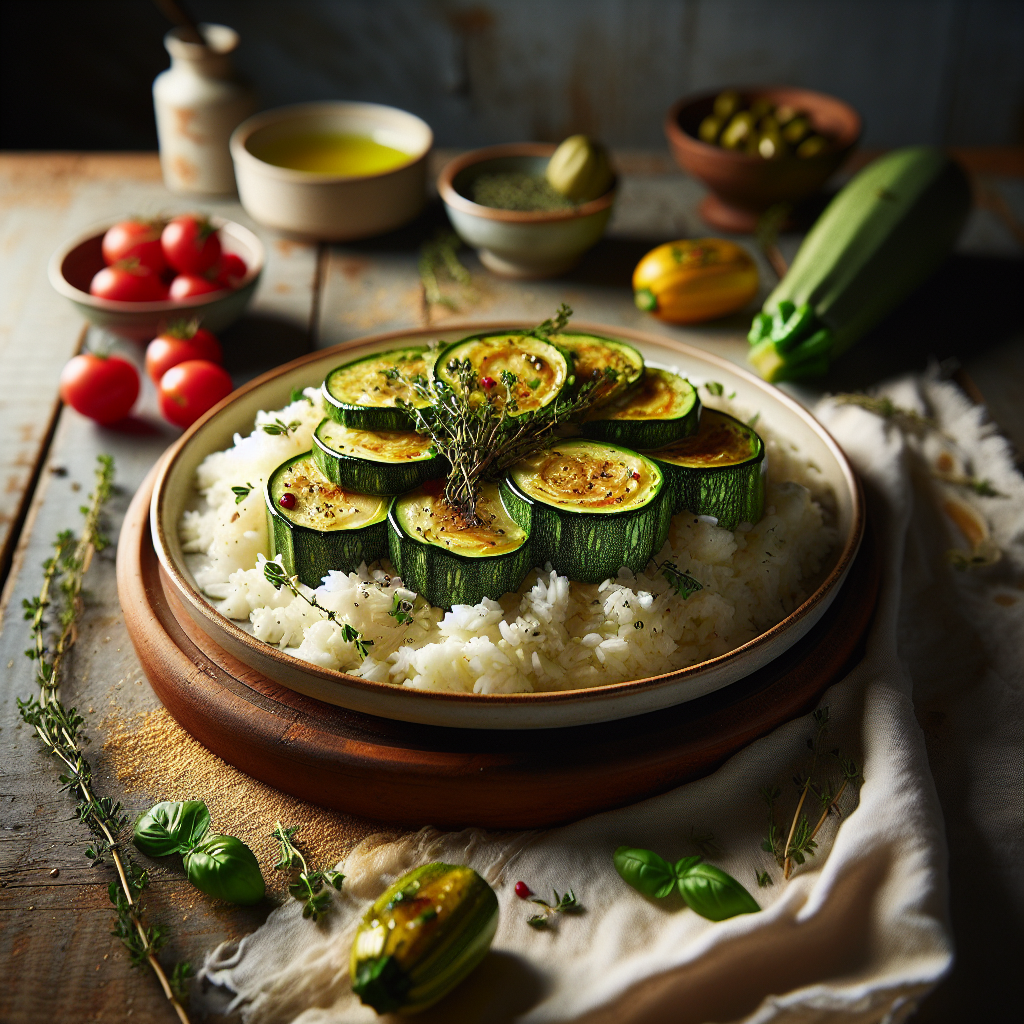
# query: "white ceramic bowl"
175,491
332,207
73,266
516,243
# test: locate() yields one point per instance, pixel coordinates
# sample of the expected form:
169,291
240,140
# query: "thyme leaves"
276,576
311,888
59,731
476,423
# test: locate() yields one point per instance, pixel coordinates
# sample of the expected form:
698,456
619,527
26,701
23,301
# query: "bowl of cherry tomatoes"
136,277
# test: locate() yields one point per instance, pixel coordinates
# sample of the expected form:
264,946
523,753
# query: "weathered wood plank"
60,960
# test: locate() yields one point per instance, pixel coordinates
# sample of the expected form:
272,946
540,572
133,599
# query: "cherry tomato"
190,388
232,270
173,347
128,281
138,238
104,388
186,286
191,244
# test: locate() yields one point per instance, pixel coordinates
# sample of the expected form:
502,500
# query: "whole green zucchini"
882,235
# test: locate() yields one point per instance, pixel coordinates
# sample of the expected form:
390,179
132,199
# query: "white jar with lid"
199,101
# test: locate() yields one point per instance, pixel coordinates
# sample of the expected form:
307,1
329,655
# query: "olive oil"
351,156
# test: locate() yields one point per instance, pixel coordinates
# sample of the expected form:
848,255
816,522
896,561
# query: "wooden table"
58,960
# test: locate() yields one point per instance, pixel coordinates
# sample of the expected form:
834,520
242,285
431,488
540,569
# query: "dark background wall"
76,74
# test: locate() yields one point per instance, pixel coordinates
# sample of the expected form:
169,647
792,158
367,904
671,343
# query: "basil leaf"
225,868
714,894
171,827
647,872
684,866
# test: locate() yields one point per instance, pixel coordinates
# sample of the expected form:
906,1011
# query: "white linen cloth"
859,934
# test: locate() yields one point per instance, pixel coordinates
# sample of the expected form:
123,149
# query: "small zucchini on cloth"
450,562
367,393
592,508
422,936
719,472
662,408
317,526
375,462
880,237
542,371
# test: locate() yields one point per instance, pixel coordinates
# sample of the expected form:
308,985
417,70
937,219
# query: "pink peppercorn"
487,382
523,891
287,500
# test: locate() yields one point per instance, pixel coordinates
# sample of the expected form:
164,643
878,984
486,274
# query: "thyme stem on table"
311,888
59,731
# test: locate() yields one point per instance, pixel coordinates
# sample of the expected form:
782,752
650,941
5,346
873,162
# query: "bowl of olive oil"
333,171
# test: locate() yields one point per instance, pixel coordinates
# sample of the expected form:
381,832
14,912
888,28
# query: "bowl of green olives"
759,146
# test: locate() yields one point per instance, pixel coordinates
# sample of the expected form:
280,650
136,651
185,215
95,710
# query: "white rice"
552,634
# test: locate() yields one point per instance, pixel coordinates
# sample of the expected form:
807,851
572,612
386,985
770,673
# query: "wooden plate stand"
416,775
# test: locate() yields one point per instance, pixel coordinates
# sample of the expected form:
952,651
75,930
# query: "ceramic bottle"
199,101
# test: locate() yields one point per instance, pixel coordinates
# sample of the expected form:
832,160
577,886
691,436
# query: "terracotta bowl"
744,186
73,266
518,243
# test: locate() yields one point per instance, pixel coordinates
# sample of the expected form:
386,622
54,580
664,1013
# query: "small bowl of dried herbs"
530,209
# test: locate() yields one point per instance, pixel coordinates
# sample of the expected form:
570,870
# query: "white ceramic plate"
175,491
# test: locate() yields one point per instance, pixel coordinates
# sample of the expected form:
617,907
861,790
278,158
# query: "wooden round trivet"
418,775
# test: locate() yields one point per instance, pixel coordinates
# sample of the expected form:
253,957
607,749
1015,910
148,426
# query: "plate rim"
825,590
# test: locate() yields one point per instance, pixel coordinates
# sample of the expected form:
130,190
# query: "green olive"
812,146
726,104
738,131
785,113
761,108
770,145
709,129
796,130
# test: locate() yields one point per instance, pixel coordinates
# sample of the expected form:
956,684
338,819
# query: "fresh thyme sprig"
278,426
883,406
59,731
481,431
241,492
800,842
278,578
311,888
567,903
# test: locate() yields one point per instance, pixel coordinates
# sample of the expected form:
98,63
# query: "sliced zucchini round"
375,462
542,370
662,408
594,356
592,507
718,472
326,527
450,563
364,394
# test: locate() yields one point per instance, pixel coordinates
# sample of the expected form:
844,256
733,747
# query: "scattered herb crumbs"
299,396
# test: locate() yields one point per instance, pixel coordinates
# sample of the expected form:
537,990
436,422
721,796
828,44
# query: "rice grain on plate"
552,634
